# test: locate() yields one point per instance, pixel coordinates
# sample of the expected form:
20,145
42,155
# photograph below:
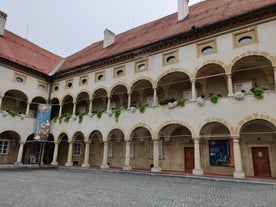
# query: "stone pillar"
127,158
70,154
197,170
128,101
74,108
108,104
193,90
90,105
230,85
274,68
156,167
20,153
27,109
42,154
238,173
86,155
54,162
155,97
1,101
105,154
60,110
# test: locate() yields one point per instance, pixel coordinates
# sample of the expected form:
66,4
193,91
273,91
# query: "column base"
18,163
155,169
85,165
127,167
69,164
54,163
104,166
239,174
197,172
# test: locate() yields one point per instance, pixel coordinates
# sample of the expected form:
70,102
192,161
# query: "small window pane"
245,40
170,59
207,50
142,67
19,80
120,72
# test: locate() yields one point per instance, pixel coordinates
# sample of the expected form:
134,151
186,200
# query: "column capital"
193,80
235,137
228,74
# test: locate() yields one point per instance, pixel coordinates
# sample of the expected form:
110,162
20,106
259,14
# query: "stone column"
156,167
27,109
128,101
274,68
90,105
86,155
155,97
20,153
193,90
127,158
54,162
197,170
70,154
105,154
1,97
238,173
60,110
230,85
108,104
74,108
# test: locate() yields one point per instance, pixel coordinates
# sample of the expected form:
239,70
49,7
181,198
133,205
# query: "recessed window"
207,50
245,40
41,87
77,149
4,147
99,76
69,84
19,80
141,66
120,72
245,37
83,80
206,47
170,59
56,88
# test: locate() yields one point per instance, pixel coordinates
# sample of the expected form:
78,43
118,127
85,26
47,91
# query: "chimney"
109,38
183,9
3,18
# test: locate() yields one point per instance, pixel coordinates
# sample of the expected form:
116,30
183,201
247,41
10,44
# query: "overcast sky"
67,26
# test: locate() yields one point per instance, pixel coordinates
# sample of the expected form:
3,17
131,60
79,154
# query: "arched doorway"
258,148
96,148
177,148
9,145
63,149
115,148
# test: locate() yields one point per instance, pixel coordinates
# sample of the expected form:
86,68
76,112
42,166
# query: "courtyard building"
191,92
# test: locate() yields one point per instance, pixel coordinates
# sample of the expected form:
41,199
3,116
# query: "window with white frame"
4,147
131,149
160,148
77,149
187,95
245,86
110,147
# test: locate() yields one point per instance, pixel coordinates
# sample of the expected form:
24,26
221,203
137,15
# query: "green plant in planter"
142,108
55,119
80,116
117,113
67,117
214,98
100,113
258,92
162,102
181,102
12,113
60,119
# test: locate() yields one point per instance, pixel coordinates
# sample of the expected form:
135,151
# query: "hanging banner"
43,122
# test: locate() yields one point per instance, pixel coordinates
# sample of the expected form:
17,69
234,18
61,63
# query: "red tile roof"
201,14
23,52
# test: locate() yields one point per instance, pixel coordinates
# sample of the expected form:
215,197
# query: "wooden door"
189,159
261,161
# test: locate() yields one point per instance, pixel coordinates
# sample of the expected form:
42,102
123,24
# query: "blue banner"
43,122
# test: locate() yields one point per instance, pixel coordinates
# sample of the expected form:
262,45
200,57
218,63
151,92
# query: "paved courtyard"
62,187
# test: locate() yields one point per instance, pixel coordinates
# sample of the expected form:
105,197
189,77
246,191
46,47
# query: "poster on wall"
43,122
220,153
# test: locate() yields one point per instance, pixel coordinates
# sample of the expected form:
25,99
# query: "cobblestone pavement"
62,187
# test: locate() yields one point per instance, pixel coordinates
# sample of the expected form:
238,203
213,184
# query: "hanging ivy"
117,113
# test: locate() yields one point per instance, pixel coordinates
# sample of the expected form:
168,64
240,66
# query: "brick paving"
66,187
